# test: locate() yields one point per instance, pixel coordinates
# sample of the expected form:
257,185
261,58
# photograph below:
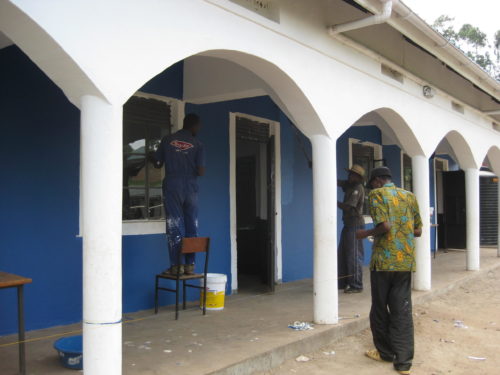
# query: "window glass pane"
155,203
364,156
155,134
134,138
155,176
145,122
407,173
134,171
134,204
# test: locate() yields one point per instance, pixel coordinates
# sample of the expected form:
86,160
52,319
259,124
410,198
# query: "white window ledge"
138,227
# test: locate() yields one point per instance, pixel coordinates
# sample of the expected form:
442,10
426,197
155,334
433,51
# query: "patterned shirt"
394,250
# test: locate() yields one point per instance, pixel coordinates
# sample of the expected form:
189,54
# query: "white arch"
461,148
394,125
493,156
46,53
285,91
96,62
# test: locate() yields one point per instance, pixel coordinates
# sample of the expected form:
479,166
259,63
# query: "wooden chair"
189,245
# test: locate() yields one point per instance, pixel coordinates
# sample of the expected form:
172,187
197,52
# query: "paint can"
216,291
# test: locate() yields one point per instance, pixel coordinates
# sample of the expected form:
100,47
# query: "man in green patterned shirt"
397,221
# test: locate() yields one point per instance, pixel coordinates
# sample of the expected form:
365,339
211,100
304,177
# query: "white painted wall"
324,86
209,79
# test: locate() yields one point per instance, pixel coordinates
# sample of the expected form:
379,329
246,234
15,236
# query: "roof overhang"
4,41
409,24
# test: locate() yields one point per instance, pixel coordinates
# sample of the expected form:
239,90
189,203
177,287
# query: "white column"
472,212
420,172
498,210
325,230
101,194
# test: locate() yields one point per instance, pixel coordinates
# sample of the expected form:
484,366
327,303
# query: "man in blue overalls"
184,159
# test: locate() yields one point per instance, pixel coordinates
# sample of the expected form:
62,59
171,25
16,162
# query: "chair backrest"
195,245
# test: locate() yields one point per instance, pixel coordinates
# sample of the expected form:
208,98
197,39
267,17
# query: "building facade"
287,102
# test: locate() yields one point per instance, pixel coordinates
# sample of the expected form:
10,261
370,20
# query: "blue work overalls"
182,154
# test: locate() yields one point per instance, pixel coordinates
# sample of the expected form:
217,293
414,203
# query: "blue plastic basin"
70,350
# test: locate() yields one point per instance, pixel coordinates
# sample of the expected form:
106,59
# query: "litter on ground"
302,358
460,324
476,358
301,326
355,316
447,341
329,353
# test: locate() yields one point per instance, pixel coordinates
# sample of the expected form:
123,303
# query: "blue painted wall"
296,186
392,156
297,206
168,83
39,195
146,255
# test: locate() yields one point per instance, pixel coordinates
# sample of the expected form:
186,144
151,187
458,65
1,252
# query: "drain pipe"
369,21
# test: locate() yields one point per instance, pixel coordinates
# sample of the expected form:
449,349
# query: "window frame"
403,170
155,226
377,154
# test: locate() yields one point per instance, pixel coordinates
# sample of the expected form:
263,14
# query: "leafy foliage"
473,42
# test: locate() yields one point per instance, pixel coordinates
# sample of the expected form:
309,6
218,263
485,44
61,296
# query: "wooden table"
9,280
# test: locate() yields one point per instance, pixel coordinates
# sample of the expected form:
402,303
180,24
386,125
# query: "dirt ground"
440,346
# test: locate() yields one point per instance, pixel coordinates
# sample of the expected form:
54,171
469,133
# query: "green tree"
473,42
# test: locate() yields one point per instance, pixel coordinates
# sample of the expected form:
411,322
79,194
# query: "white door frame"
274,129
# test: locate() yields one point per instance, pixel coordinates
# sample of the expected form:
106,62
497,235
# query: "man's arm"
380,216
343,206
417,231
352,200
380,229
156,157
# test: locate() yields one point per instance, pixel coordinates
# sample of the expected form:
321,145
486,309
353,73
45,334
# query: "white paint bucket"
216,291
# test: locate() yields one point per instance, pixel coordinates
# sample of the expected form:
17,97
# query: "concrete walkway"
250,335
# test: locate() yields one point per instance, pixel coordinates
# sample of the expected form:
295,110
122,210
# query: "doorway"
454,218
255,203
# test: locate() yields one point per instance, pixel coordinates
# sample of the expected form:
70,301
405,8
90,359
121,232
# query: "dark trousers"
181,210
350,258
391,319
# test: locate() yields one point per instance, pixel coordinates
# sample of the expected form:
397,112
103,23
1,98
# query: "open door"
454,218
271,215
255,203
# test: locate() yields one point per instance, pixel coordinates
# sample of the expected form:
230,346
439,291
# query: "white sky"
484,14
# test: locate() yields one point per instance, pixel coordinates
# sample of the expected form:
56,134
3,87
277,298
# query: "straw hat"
358,169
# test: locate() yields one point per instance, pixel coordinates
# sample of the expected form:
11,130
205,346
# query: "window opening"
407,173
364,155
145,122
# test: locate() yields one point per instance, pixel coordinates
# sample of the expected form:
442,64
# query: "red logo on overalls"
180,145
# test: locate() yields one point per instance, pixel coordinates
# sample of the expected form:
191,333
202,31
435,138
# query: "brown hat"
358,169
